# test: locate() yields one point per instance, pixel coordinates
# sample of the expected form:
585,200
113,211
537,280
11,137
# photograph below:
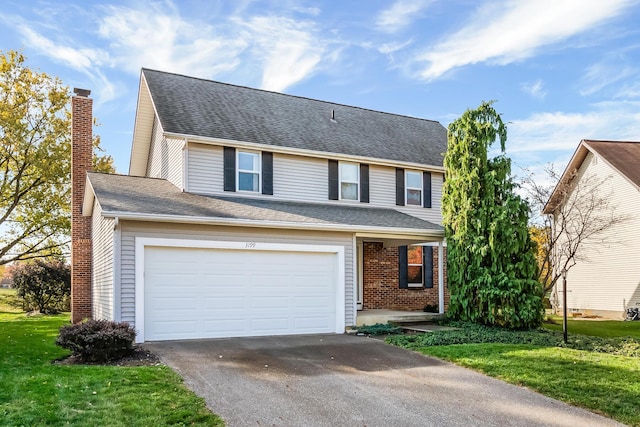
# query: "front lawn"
598,328
36,392
602,382
9,301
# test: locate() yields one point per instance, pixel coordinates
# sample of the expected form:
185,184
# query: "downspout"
117,292
441,277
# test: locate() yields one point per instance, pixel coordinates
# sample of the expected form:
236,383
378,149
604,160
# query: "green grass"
602,382
36,392
9,302
597,328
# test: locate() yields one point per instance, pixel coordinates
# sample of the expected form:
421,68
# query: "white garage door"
213,293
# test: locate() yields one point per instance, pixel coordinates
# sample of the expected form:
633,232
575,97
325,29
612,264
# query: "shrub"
43,285
98,340
379,329
469,333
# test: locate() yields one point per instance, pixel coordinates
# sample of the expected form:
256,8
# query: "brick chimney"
81,158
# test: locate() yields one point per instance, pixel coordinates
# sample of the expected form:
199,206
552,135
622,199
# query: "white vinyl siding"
165,157
131,230
156,150
609,278
306,179
102,271
382,193
300,178
205,169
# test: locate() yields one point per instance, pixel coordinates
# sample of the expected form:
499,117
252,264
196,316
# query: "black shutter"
229,169
403,267
333,179
267,173
399,186
364,183
426,188
427,265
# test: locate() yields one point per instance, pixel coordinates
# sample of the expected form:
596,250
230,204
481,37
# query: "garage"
227,289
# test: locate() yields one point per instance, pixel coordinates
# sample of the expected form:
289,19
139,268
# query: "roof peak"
285,94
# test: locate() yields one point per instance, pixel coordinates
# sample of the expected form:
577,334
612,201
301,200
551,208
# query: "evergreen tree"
491,265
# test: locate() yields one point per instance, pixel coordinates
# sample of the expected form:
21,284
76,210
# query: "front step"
371,317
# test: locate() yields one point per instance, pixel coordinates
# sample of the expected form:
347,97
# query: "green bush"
379,329
469,333
98,340
43,285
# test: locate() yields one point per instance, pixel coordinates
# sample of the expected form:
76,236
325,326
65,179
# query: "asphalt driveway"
341,380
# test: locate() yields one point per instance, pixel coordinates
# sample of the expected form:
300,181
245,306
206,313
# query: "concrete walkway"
340,380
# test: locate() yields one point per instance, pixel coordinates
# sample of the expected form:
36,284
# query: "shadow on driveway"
331,380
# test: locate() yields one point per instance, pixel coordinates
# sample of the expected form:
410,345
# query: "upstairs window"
349,181
413,188
248,171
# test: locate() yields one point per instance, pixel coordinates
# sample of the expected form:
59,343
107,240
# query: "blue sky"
560,70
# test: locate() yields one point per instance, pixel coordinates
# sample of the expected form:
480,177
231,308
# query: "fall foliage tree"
584,216
35,129
491,266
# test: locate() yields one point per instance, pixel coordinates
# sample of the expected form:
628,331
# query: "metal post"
564,304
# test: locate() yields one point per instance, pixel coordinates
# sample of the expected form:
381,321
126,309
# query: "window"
248,171
349,181
414,266
413,188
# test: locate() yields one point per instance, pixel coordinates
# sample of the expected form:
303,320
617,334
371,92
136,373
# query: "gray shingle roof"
153,196
622,155
192,106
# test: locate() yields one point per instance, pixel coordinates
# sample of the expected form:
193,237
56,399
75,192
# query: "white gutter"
303,152
233,222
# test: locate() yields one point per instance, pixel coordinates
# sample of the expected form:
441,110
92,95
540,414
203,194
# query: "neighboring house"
247,212
606,277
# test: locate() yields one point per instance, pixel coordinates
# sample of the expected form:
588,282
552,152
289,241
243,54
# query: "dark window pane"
248,181
414,274
414,197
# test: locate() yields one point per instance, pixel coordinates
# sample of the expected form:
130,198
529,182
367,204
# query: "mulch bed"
139,357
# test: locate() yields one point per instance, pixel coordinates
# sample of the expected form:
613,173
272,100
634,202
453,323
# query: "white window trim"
416,284
407,188
340,181
238,171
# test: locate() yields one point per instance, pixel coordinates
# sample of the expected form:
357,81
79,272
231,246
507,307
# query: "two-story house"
248,212
604,278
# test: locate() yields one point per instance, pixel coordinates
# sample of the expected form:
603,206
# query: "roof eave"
142,130
235,222
574,164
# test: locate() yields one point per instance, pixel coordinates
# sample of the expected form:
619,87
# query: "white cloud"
288,49
502,33
158,37
559,131
535,89
601,75
401,14
84,60
387,48
80,59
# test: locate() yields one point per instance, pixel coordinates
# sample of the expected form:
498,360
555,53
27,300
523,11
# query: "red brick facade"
380,282
81,157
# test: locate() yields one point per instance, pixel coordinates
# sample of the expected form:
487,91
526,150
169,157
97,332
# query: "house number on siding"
250,245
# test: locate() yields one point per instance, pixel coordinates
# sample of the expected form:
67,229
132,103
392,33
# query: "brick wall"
380,281
81,157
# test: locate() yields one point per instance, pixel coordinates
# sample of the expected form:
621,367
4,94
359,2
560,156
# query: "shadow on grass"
603,383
